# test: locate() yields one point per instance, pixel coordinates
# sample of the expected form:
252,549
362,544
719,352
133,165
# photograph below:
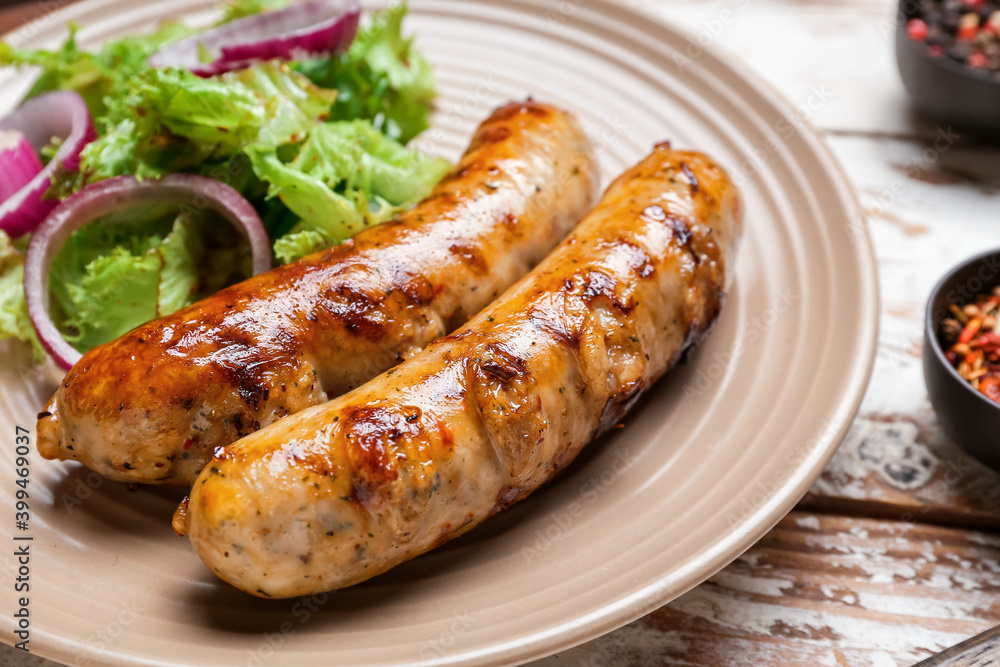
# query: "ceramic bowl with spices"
961,355
948,54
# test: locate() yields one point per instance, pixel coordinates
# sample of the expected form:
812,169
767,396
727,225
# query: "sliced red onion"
19,163
308,29
62,114
115,194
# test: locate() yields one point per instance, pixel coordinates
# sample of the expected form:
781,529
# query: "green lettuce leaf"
264,130
347,176
96,76
381,78
14,320
237,9
297,245
171,120
115,274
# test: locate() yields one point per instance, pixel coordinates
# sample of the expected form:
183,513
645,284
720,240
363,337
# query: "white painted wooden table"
894,553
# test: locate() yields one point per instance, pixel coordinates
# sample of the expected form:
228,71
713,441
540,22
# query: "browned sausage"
483,417
153,405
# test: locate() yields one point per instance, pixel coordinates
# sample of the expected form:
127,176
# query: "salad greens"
346,176
152,270
96,76
316,146
14,321
170,120
381,78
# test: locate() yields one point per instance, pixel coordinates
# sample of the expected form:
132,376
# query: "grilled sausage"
481,418
153,405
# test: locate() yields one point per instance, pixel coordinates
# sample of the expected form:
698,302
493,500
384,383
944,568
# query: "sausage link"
153,405
483,417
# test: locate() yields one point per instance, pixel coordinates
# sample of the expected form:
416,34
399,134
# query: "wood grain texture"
822,590
13,16
902,467
23,15
980,651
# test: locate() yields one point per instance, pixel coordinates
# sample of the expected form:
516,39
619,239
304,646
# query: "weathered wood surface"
903,468
822,590
980,651
894,553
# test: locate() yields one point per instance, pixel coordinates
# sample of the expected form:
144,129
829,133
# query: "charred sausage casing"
428,450
153,405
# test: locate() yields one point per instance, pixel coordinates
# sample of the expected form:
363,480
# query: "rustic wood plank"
927,209
904,468
822,590
13,16
980,651
19,14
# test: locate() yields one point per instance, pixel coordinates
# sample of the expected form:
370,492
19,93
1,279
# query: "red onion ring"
310,28
64,114
19,163
114,194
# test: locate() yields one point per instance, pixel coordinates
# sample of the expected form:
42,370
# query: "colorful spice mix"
966,31
972,342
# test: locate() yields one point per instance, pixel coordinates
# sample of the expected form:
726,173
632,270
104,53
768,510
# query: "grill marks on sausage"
370,433
682,232
472,256
375,440
552,316
637,258
501,363
248,363
599,285
492,135
355,310
691,178
528,107
498,128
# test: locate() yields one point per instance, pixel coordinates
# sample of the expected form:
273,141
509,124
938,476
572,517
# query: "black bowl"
944,89
968,417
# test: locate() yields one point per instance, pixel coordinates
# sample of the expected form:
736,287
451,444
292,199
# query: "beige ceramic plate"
721,450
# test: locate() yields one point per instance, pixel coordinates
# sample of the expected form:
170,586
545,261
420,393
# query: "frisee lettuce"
381,78
14,320
237,9
346,176
113,275
170,120
317,147
97,76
